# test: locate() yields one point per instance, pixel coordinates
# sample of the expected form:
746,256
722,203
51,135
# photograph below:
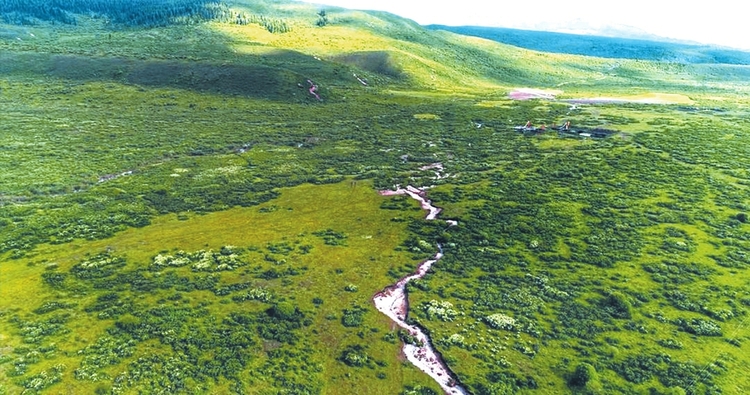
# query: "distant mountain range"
605,47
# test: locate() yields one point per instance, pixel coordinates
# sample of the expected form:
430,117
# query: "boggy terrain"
179,213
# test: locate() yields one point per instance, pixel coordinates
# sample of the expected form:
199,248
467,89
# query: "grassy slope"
144,100
431,59
606,47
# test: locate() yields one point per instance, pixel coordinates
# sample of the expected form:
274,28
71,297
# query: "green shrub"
285,311
583,374
353,317
699,327
617,305
670,343
355,356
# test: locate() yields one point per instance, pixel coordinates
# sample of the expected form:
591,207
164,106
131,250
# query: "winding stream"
393,302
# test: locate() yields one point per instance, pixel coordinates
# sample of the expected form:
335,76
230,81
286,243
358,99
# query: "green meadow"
178,214
314,250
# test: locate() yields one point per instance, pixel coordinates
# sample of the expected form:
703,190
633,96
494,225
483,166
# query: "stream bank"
393,301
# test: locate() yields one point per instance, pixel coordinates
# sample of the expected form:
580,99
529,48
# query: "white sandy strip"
439,170
531,93
114,176
437,165
394,303
647,98
616,100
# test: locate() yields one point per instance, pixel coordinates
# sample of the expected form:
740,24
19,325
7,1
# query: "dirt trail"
393,301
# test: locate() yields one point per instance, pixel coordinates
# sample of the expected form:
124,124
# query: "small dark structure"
566,131
525,129
597,133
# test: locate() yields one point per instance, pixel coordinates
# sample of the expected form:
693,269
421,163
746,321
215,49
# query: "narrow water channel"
393,301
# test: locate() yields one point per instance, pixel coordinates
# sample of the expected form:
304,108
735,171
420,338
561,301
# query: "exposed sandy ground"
646,98
393,301
531,93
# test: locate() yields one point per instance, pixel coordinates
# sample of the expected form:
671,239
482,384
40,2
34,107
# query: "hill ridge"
605,46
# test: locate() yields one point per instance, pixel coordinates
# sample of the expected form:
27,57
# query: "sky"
720,22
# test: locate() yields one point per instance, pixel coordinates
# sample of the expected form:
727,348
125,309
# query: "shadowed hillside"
280,75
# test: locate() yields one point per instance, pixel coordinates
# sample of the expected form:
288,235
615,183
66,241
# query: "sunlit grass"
350,208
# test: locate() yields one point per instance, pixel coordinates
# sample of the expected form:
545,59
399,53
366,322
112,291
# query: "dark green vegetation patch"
147,13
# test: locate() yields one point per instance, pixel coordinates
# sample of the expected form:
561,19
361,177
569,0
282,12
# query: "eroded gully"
393,301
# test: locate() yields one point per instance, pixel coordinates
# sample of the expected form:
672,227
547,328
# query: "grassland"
280,258
179,215
606,47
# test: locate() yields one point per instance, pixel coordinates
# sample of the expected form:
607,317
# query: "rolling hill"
605,47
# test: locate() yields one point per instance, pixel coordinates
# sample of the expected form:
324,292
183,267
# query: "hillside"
604,47
190,204
388,47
